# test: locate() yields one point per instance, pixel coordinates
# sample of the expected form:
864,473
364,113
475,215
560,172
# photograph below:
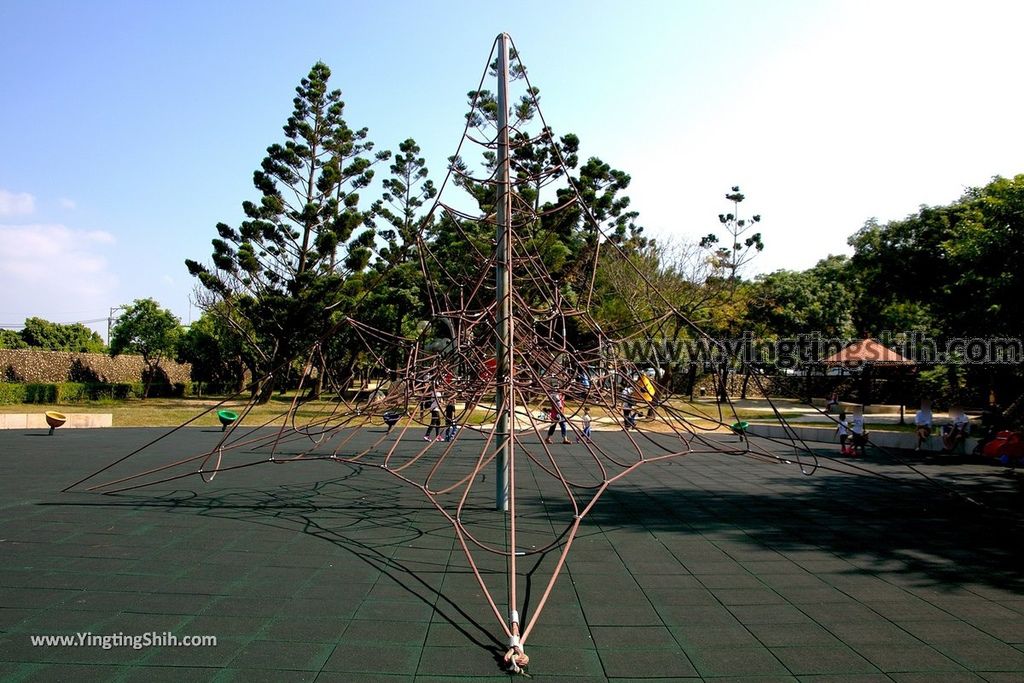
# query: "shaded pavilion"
876,361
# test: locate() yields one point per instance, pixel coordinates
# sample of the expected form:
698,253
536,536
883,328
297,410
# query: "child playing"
449,420
923,424
435,417
557,417
843,430
860,434
628,415
585,434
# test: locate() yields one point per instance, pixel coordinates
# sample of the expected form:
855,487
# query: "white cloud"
99,236
69,204
16,203
49,269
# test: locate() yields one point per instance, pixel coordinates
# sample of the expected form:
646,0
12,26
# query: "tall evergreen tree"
396,299
282,274
730,258
406,192
563,239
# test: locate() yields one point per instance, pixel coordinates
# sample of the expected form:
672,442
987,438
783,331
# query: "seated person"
833,401
956,431
923,423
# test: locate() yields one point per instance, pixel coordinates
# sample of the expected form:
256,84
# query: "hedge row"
78,392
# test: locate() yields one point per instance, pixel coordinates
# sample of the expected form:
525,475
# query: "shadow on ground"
370,519
949,524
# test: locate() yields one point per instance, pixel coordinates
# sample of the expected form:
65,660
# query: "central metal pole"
503,398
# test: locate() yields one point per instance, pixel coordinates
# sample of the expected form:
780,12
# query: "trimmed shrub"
73,392
12,393
80,392
40,393
123,390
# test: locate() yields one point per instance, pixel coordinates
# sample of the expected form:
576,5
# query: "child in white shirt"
860,434
585,434
843,430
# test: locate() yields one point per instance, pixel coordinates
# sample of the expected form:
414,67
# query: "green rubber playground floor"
714,567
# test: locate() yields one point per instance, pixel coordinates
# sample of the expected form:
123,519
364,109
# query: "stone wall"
51,367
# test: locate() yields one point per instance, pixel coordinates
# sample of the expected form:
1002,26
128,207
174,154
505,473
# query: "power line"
21,325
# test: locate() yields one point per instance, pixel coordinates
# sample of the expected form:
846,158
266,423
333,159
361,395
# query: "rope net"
581,414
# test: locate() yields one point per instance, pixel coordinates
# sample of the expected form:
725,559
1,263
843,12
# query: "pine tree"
406,192
281,275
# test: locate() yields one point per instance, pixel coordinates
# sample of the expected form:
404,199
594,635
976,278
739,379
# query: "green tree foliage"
401,206
787,303
741,248
637,287
282,274
952,272
395,297
10,339
47,336
149,331
565,240
214,352
958,266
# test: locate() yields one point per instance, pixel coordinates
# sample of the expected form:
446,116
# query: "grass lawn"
171,412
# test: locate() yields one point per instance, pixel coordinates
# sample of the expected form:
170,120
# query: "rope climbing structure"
511,378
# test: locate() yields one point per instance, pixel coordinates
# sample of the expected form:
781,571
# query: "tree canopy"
957,266
787,303
148,330
49,336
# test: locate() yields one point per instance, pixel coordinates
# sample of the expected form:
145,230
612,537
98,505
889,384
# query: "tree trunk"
149,378
954,382
346,375
242,375
264,390
316,386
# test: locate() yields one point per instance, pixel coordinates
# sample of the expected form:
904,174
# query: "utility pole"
503,396
111,319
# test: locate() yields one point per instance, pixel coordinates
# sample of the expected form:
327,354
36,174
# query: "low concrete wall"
38,421
905,440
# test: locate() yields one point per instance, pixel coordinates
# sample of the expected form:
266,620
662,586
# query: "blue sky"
129,129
